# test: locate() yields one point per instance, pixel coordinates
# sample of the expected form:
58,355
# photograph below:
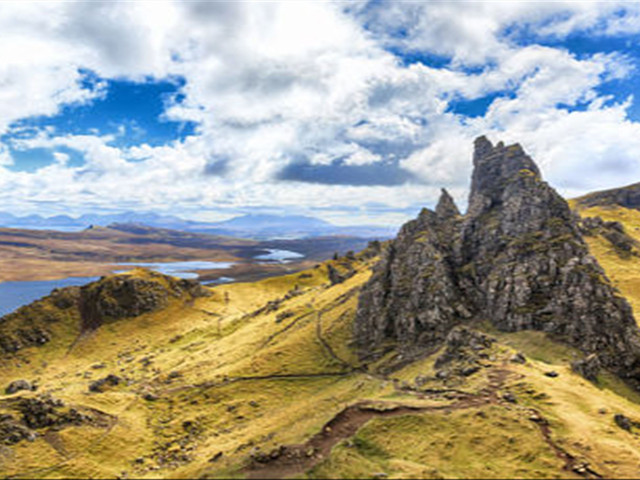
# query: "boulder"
18,385
102,384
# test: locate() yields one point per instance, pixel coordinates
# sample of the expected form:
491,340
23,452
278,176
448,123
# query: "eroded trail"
571,463
293,460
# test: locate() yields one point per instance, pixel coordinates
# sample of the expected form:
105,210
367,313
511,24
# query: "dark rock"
150,397
446,207
277,452
18,385
536,418
121,296
217,456
12,432
622,421
373,250
628,197
461,353
259,456
588,367
45,411
518,358
611,231
284,315
516,258
336,276
105,382
65,298
551,374
468,371
509,397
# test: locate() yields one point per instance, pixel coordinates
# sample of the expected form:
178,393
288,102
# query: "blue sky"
357,113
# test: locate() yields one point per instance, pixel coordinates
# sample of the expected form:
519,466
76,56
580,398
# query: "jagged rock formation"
446,207
516,259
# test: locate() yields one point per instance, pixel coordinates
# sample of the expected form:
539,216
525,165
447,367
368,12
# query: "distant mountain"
252,221
255,226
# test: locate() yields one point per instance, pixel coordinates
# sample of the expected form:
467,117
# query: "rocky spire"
516,259
446,207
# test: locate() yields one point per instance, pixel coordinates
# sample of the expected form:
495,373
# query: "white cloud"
274,83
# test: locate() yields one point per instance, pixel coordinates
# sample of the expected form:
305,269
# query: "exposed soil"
291,460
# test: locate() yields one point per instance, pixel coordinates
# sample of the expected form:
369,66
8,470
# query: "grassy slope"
225,358
624,272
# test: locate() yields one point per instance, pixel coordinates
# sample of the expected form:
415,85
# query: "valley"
52,259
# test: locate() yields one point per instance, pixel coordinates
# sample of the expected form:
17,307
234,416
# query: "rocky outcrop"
34,416
122,296
463,350
613,232
12,431
446,207
104,383
18,385
108,299
516,259
628,197
412,298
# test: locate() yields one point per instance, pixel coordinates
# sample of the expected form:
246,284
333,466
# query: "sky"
355,112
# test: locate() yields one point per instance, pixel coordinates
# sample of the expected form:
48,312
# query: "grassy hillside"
624,270
259,380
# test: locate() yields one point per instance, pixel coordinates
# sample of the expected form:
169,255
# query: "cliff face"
516,259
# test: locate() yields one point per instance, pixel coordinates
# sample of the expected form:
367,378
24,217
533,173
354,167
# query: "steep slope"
517,259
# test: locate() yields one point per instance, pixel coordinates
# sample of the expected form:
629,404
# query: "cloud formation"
310,107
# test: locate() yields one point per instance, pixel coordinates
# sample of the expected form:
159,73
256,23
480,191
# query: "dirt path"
291,460
295,459
571,463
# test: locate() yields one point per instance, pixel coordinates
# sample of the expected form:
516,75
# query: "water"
281,256
177,269
219,281
17,294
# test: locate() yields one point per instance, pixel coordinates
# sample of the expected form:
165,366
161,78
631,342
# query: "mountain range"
254,226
